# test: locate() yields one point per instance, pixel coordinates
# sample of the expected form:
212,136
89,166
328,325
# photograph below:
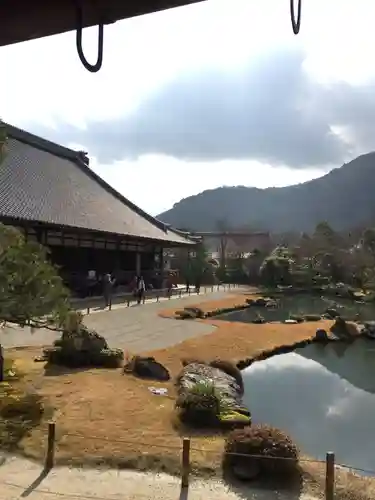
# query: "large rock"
147,368
344,329
82,347
369,329
225,386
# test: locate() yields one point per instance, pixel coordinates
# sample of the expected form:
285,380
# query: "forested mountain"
345,197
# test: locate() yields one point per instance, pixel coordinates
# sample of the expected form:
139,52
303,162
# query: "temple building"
49,192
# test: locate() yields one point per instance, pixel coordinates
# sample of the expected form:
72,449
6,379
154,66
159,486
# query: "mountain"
345,197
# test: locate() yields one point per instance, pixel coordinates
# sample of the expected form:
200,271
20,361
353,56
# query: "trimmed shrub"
271,451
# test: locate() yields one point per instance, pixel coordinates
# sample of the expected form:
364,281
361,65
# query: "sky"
217,93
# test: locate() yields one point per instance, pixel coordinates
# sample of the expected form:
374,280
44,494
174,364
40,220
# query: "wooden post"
180,293
185,469
1,364
110,304
88,310
50,457
330,476
128,302
157,298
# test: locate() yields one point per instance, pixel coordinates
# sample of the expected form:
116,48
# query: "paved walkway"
19,479
137,328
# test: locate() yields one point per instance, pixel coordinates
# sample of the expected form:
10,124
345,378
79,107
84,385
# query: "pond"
323,396
300,305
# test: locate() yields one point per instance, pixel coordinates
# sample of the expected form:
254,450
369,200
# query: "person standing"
107,289
141,290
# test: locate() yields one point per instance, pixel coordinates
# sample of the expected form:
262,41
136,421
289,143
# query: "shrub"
230,369
273,452
19,413
201,405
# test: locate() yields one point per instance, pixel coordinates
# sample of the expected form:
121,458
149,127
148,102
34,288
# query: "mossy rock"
312,317
234,419
199,313
182,314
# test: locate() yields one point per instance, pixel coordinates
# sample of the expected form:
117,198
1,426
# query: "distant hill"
345,197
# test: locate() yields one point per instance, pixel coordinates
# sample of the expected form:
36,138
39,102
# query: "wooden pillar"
138,264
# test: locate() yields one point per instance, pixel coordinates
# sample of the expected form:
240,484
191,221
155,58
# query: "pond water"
300,305
323,396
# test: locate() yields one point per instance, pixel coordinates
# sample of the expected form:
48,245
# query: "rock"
331,312
182,314
290,321
196,311
261,302
82,347
369,329
259,321
312,317
234,419
271,304
321,335
344,329
225,386
149,368
250,302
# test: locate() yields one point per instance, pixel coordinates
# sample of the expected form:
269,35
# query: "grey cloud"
269,111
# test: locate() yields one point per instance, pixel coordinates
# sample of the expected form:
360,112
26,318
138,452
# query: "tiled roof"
43,182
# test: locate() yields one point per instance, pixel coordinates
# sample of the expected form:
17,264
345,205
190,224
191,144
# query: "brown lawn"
103,416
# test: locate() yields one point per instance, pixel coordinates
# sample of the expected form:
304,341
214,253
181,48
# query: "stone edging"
281,349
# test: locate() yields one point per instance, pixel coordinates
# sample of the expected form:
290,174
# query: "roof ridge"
40,142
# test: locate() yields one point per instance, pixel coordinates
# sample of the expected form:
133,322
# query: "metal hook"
93,68
296,23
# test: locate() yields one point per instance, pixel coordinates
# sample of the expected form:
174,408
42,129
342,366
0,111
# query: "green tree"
197,266
31,289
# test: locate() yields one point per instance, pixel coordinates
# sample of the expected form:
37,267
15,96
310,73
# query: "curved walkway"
136,328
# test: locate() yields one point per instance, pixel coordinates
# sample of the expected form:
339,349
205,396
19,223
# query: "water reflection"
321,410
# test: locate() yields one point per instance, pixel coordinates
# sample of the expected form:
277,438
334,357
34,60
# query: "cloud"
269,110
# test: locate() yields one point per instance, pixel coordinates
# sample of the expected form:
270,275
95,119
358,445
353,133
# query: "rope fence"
185,450
127,299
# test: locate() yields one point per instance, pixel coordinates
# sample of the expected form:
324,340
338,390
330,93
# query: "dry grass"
105,417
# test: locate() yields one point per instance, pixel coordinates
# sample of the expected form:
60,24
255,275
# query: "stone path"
21,478
137,328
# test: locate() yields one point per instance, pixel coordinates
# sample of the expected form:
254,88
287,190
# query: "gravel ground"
136,328
19,479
